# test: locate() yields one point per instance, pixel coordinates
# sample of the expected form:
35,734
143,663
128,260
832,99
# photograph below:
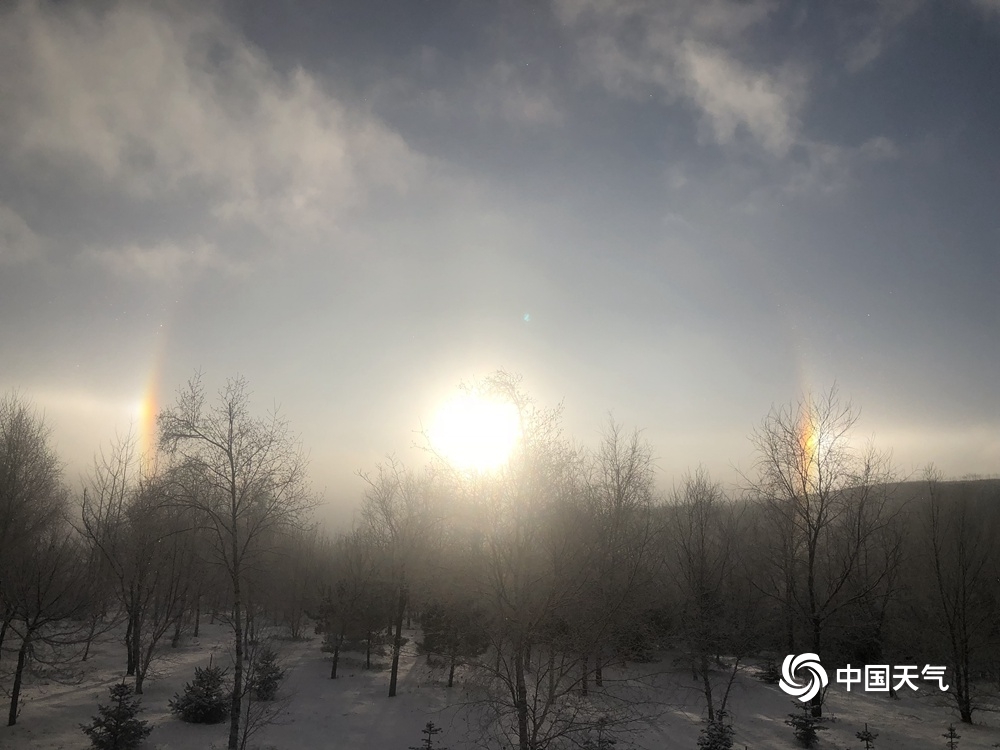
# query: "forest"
537,582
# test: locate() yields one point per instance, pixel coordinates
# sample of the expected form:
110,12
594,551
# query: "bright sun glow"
475,432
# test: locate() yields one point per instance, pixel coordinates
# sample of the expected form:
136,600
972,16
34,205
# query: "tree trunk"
336,655
129,638
707,687
236,704
136,646
368,651
963,694
552,674
789,617
249,630
521,695
90,636
451,670
15,693
584,690
397,641
175,641
197,615
3,634
598,670
817,701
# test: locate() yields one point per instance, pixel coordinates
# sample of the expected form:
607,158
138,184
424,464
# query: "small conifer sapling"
427,743
118,727
805,726
952,736
205,700
717,734
868,737
266,675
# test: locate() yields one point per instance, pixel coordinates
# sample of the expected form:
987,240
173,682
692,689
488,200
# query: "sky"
676,213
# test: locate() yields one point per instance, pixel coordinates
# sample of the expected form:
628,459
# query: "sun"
475,432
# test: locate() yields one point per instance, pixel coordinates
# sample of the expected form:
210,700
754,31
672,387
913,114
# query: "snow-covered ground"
354,713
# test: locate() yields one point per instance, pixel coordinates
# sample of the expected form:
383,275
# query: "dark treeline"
534,584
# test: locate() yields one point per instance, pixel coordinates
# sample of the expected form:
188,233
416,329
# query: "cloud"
732,95
989,7
18,242
826,168
815,170
498,92
688,51
870,30
150,101
166,261
503,92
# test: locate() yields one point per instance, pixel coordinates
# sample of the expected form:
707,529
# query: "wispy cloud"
814,170
689,51
148,101
166,261
506,92
826,168
990,7
870,27
18,242
499,92
732,95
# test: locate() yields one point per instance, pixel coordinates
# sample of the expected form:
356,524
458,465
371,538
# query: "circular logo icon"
789,671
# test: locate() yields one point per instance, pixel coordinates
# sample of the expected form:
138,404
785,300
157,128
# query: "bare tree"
827,499
49,593
263,704
244,476
877,589
291,578
395,513
719,609
962,532
538,536
356,596
31,492
621,487
147,547
44,577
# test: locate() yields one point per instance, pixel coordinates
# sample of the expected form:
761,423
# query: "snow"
353,712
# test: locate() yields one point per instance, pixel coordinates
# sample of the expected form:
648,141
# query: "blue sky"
680,213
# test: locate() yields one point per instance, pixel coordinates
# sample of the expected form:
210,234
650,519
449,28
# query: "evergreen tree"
455,629
118,726
427,743
717,734
805,726
205,700
266,675
952,737
868,737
